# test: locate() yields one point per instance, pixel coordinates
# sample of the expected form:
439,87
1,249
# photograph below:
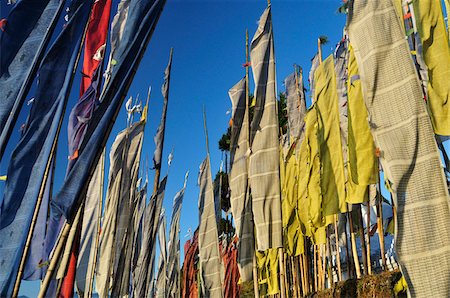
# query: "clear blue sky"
209,49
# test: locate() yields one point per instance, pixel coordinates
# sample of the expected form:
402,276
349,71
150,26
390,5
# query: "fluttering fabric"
292,230
289,163
409,155
159,137
128,200
173,263
362,165
142,19
95,42
89,233
326,104
162,272
35,265
190,271
240,200
295,103
210,259
264,176
315,62
31,156
268,271
340,68
23,41
115,237
436,54
146,260
231,285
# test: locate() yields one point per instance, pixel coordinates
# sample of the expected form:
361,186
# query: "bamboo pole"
247,103
329,263
296,275
369,262
97,238
33,224
338,253
349,257
287,280
282,272
319,50
59,248
362,238
380,227
315,267
302,275
353,243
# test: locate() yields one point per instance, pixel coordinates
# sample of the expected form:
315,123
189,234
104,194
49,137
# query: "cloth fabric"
326,104
128,200
117,32
309,199
268,271
293,236
161,277
241,205
362,166
190,271
144,271
31,156
295,103
436,54
159,137
264,176
142,19
124,165
340,67
90,232
30,25
95,41
315,62
35,265
173,264
409,155
210,260
231,285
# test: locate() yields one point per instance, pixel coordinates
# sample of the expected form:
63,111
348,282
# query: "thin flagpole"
369,263
353,244
362,238
97,238
380,224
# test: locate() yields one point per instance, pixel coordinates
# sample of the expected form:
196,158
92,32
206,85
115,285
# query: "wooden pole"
247,94
282,272
353,243
362,238
296,276
319,50
369,262
33,224
338,253
348,251
315,267
380,227
329,262
287,279
59,249
97,238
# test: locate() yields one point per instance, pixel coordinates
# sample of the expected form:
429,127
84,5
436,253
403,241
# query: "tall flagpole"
158,168
247,105
97,238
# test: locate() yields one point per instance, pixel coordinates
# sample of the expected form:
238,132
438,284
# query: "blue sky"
209,49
